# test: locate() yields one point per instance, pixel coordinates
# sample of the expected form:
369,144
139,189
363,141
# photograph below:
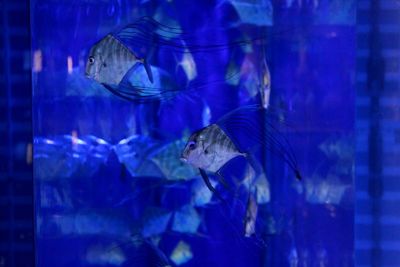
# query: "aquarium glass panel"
193,133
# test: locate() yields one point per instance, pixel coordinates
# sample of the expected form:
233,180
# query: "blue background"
310,49
312,62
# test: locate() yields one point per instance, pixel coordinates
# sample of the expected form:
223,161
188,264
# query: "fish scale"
220,138
119,59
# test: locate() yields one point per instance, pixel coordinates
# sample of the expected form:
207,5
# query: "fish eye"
91,60
192,145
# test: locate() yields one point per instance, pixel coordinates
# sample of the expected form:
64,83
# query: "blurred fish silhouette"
236,134
129,51
251,216
254,79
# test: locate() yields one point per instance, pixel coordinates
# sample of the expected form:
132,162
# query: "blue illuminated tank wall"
377,162
16,183
107,189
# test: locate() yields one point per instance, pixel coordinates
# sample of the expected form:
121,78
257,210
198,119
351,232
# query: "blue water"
110,189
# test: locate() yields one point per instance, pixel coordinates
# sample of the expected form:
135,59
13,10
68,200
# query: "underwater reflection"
64,155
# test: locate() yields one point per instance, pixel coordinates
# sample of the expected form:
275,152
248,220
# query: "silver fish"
209,149
109,60
237,134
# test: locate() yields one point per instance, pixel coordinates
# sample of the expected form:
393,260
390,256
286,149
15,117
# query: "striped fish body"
209,149
109,60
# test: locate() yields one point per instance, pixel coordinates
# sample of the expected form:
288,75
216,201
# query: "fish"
211,147
254,79
120,62
146,45
109,60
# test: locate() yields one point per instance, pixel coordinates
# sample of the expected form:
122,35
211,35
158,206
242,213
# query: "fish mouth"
90,75
183,159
